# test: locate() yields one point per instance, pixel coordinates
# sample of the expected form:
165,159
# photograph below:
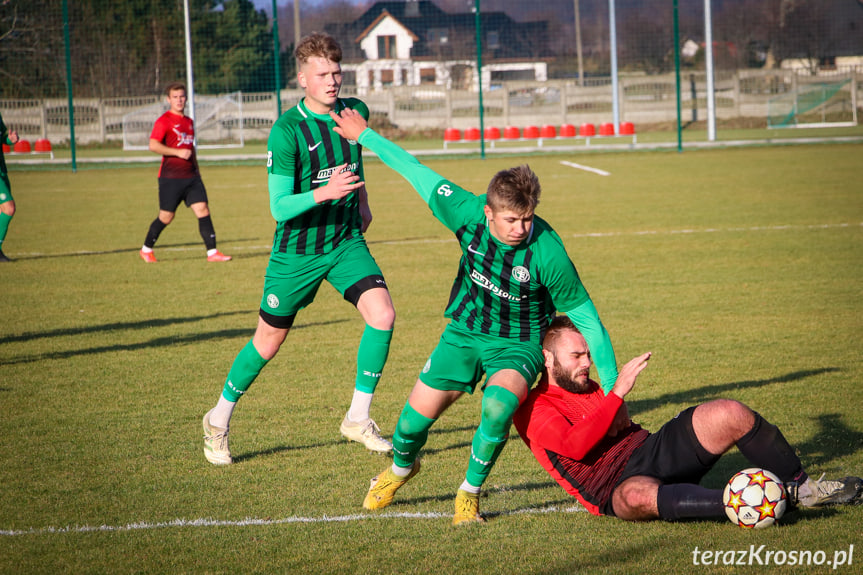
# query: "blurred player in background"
318,199
173,137
514,272
7,203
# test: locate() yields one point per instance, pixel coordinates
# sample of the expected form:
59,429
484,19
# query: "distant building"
411,43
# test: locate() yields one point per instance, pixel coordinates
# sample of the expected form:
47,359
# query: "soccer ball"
754,498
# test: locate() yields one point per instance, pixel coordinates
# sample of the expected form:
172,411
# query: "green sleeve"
586,319
424,180
284,203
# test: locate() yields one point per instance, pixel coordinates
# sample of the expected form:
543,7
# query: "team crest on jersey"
272,301
427,366
521,274
3,197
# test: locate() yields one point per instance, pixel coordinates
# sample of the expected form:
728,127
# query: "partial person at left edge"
173,137
7,202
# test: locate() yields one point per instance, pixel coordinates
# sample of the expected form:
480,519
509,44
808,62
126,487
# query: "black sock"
153,234
766,447
208,233
688,501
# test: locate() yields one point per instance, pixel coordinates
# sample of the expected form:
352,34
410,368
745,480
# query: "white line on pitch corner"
256,522
585,168
716,230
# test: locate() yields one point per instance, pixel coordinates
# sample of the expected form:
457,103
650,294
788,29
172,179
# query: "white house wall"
388,27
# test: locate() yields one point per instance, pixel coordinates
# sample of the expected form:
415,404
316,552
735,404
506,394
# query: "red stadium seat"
587,130
42,145
627,129
492,133
606,129
567,131
511,133
548,131
22,147
531,132
451,135
472,134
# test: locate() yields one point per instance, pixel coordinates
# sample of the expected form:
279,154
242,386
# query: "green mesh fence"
413,62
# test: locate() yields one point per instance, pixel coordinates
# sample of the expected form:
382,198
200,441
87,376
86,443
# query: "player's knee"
498,407
737,417
635,500
385,318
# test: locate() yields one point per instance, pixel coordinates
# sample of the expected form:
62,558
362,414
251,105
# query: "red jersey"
176,131
566,432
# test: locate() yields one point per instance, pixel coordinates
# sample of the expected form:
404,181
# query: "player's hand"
13,136
183,153
342,183
349,124
627,376
621,421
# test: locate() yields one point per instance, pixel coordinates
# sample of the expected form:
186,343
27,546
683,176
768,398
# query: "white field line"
448,240
586,168
251,521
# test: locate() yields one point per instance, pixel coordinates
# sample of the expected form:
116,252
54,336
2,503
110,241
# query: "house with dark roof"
414,42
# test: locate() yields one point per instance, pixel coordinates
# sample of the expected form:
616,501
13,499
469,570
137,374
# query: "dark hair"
320,45
515,189
558,326
175,86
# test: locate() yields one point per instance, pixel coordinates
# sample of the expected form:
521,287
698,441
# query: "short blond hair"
515,189
318,45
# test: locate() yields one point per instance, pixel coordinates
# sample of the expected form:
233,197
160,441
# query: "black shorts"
671,455
172,191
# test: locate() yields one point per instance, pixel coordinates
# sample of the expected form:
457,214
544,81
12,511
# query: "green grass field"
741,269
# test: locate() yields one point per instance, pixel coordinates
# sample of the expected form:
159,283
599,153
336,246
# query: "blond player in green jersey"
319,201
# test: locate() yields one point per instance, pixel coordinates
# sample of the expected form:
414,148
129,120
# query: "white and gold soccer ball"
754,498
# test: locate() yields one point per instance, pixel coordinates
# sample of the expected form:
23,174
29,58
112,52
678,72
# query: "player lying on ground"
514,272
588,444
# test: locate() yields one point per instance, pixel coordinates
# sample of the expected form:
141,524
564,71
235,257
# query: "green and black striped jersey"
501,290
303,146
4,138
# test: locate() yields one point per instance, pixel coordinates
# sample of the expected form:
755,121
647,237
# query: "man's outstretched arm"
352,126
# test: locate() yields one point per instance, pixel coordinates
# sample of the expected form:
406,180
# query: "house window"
438,36
493,39
386,47
427,76
387,77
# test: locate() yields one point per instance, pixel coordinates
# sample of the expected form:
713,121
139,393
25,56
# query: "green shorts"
292,281
5,189
461,358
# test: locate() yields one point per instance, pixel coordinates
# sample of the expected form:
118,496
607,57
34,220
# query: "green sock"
411,433
246,367
371,357
4,226
498,406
